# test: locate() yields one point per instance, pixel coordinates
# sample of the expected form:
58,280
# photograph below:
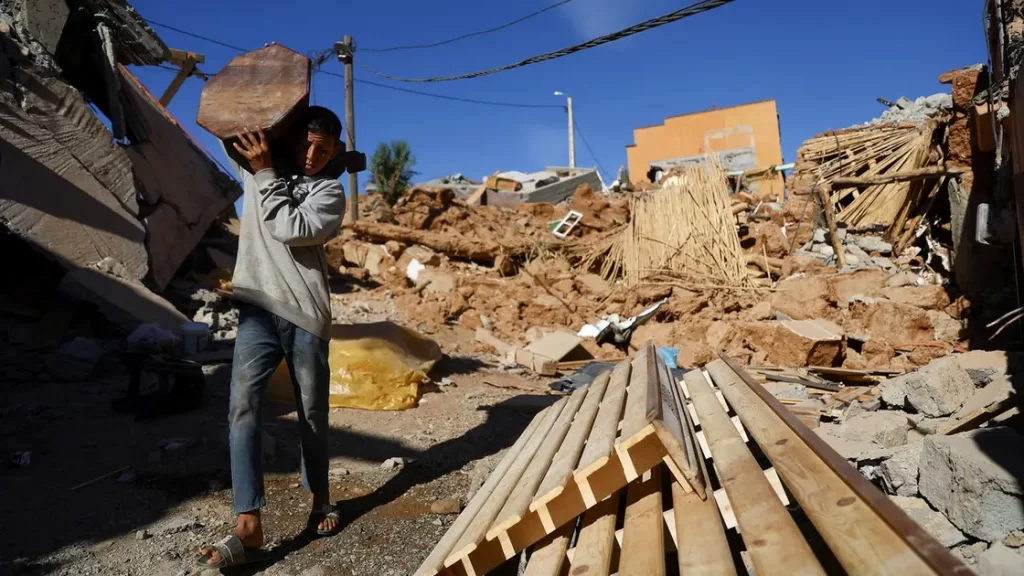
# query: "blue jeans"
263,340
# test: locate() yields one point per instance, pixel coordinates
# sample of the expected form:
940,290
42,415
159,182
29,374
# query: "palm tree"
392,169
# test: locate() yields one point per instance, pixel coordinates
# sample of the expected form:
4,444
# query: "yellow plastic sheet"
377,366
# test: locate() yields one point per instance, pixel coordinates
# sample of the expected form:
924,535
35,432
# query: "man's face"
315,152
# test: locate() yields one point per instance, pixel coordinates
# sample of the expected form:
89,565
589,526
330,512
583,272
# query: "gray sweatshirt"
281,264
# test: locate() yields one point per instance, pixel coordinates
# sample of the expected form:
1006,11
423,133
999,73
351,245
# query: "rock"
884,429
564,287
719,334
933,522
354,253
969,552
143,535
825,250
974,478
1014,539
803,298
843,288
820,236
874,244
938,389
929,297
796,342
425,255
998,390
78,360
594,284
374,261
787,390
393,464
889,322
877,354
899,473
981,365
440,282
101,546
904,279
447,506
694,354
848,449
946,328
339,472
853,360
924,355
761,311
999,560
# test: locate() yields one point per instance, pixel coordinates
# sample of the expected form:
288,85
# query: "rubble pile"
943,441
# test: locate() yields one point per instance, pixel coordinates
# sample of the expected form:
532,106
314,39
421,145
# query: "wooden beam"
824,196
187,67
905,176
178,57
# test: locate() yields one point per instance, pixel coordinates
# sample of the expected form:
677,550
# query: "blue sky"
824,61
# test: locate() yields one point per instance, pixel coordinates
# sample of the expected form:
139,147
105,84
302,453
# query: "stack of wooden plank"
640,473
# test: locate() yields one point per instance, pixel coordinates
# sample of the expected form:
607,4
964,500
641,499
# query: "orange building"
745,138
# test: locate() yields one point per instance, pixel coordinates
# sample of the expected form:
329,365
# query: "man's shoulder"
324,184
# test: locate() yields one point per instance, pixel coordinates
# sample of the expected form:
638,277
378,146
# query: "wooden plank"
434,562
639,443
892,177
643,545
596,467
703,549
549,555
517,505
593,552
476,530
769,532
867,532
559,475
665,411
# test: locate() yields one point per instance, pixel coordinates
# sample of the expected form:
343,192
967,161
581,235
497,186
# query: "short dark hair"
320,120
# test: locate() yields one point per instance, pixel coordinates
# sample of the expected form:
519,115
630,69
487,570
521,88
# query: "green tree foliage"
391,166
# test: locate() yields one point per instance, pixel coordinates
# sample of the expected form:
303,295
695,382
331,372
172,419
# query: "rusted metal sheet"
264,88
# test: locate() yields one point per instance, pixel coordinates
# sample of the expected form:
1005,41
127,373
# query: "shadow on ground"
75,437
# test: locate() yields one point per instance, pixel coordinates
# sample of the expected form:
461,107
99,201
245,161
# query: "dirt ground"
174,492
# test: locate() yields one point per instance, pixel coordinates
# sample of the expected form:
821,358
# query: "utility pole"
572,134
345,51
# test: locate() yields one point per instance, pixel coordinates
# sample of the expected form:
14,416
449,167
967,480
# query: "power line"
197,36
471,34
416,92
691,10
600,167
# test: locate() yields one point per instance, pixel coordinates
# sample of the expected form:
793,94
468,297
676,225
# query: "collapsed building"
119,211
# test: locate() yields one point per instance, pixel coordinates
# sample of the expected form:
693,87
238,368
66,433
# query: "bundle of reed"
685,230
602,255
876,175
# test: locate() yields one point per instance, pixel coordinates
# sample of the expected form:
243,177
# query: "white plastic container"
195,337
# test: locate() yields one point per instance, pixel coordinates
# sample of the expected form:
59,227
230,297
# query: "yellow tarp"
377,366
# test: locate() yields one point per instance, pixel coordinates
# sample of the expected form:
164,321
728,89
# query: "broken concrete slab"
983,364
77,221
124,303
543,355
184,187
849,449
934,523
998,390
886,429
938,389
873,244
975,479
899,473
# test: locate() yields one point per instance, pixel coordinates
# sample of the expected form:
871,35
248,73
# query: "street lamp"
572,140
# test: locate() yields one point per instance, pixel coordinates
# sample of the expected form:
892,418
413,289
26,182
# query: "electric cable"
197,36
576,125
691,10
471,34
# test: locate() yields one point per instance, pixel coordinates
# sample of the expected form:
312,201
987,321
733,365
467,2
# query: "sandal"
325,512
232,553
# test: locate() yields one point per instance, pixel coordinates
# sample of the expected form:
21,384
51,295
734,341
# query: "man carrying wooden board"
291,208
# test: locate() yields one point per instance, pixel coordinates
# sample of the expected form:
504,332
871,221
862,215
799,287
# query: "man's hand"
255,149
